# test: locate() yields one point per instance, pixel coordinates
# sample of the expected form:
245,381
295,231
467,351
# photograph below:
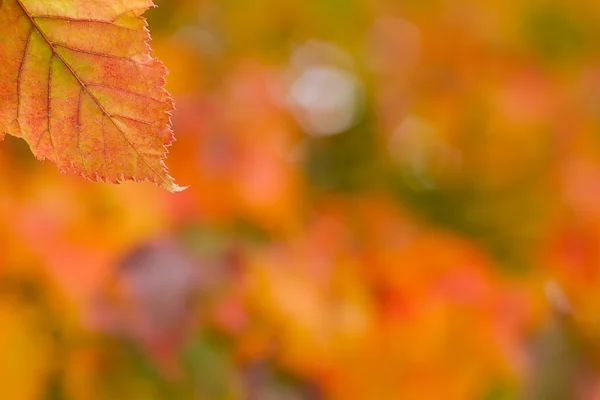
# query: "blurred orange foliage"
389,200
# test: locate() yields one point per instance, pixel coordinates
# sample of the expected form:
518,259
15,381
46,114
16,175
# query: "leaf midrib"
86,89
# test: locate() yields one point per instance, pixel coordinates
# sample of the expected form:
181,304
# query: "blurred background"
389,200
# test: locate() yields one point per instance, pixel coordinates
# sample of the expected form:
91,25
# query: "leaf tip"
173,188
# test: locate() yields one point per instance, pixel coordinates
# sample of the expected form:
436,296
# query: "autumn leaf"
79,85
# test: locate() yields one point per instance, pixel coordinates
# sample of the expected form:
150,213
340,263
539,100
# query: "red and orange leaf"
79,85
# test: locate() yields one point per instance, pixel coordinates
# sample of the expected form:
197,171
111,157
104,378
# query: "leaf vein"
145,96
92,53
20,73
49,105
79,100
104,147
81,20
131,119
